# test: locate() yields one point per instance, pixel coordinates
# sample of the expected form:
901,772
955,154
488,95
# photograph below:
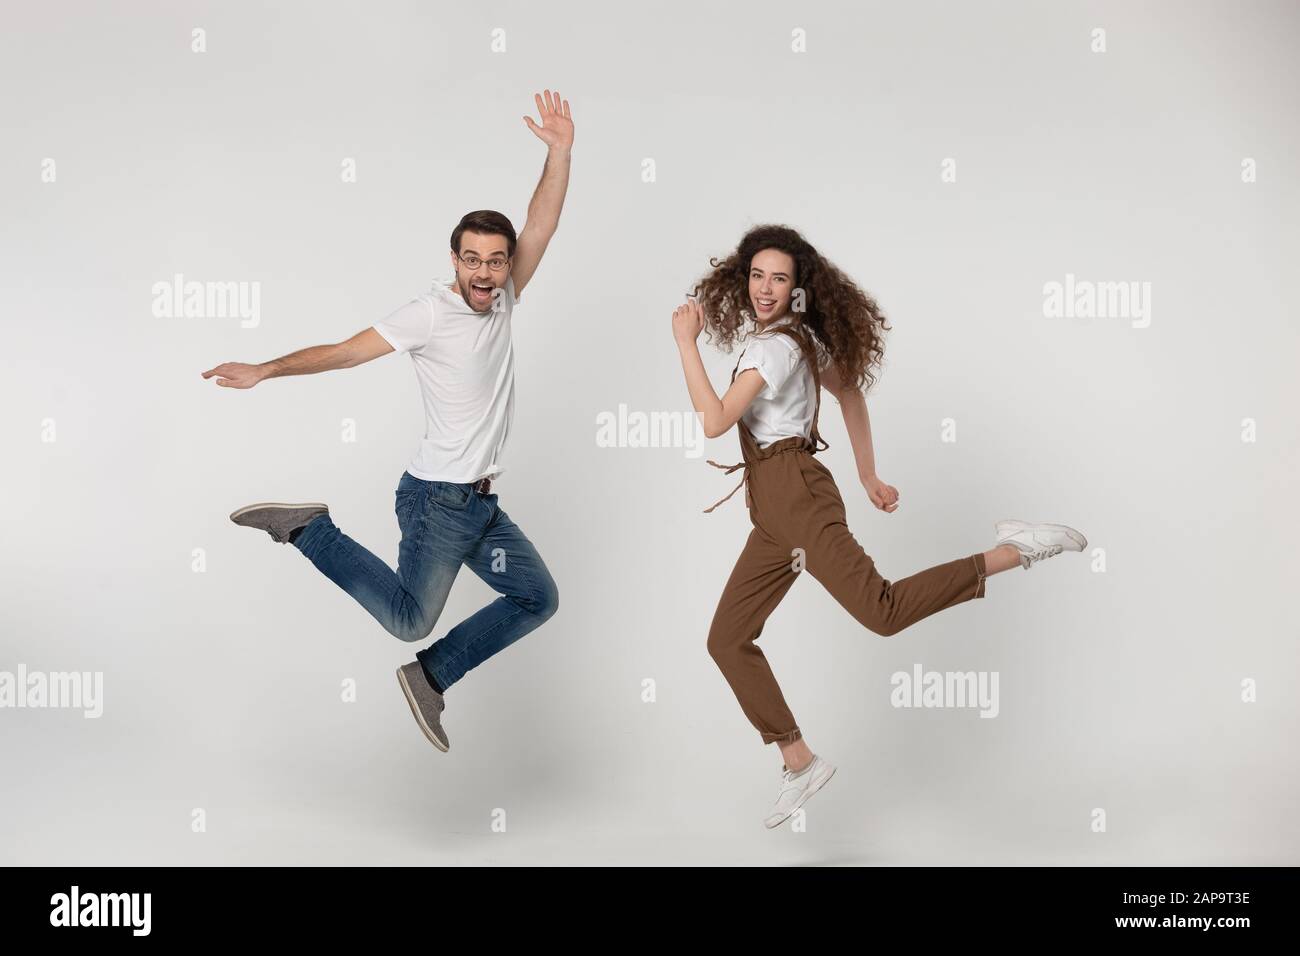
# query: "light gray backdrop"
1120,690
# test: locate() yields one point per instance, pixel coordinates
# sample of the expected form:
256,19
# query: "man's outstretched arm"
362,347
556,131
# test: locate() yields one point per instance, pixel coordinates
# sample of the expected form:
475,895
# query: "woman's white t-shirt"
785,406
465,365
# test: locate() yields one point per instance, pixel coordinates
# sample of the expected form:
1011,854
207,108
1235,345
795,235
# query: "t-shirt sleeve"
776,357
407,328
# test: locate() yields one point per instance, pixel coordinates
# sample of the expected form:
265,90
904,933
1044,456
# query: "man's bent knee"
544,602
411,627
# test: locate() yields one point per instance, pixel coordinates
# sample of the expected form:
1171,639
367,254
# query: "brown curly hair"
842,318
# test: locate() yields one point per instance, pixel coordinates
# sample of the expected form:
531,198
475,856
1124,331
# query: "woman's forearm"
858,424
703,397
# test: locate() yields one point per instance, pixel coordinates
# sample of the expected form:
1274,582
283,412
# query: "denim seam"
529,584
478,638
356,563
525,576
420,516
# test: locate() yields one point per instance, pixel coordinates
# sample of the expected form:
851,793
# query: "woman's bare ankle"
796,755
1002,558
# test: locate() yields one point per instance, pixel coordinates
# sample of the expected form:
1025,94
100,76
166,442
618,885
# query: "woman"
813,328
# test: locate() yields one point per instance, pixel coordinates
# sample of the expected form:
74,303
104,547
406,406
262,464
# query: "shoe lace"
787,781
1044,552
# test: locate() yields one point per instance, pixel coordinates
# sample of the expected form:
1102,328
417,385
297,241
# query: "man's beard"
467,293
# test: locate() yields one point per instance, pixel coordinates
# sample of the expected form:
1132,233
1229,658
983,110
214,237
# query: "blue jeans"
444,525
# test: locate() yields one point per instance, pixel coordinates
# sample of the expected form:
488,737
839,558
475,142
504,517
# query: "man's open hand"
556,129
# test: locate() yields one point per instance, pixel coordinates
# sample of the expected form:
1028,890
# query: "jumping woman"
812,328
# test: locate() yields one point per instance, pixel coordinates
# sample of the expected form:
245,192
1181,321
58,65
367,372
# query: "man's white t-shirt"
785,406
465,364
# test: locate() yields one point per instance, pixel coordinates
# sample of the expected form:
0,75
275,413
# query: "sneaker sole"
1069,532
273,504
415,712
802,800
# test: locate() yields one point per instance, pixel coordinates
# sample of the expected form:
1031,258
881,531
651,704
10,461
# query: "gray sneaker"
278,520
426,703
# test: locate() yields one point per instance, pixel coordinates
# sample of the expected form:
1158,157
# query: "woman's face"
771,284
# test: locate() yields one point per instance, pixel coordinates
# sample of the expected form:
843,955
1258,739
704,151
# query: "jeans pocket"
404,504
451,495
408,497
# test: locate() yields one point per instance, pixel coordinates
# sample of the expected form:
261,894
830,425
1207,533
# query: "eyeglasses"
496,264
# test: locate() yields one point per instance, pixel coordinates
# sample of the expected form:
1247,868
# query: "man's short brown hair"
485,221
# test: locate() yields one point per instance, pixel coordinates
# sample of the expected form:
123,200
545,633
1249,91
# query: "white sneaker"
795,790
1038,541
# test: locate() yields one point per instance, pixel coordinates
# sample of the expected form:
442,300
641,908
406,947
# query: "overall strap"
743,463
809,349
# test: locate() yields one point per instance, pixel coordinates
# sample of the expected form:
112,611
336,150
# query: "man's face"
477,280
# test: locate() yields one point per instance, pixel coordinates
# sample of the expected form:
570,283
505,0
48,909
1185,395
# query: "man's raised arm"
556,131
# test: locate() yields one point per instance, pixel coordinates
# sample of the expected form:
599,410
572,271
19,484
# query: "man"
458,336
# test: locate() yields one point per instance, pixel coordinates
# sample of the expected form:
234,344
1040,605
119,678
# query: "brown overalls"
794,504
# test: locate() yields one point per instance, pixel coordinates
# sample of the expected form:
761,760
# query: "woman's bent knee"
721,644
